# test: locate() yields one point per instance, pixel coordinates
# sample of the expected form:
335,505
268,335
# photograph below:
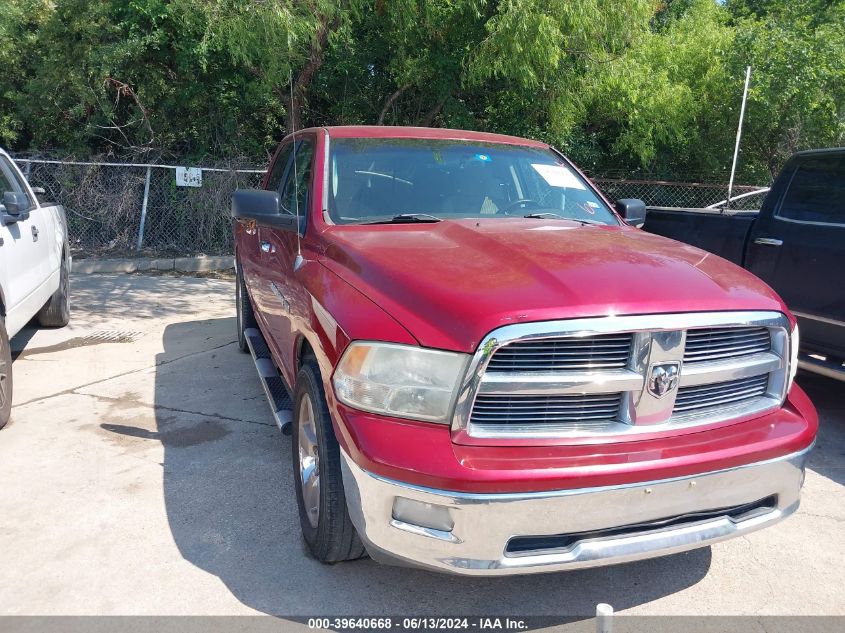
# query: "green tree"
670,103
797,96
275,41
632,86
20,21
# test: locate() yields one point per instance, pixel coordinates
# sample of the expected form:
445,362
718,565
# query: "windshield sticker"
587,207
558,176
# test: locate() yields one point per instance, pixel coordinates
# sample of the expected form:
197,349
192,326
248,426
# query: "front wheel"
5,376
323,515
56,312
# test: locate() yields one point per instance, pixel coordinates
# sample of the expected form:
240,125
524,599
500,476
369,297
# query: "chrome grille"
608,351
719,394
581,410
725,342
611,375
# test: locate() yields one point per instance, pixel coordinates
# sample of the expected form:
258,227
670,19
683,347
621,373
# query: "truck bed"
722,233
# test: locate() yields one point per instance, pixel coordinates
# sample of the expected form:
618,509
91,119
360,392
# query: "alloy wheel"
309,461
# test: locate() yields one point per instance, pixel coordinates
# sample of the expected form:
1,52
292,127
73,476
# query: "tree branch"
389,103
306,75
429,116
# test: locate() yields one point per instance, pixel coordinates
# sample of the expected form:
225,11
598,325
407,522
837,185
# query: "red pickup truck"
488,370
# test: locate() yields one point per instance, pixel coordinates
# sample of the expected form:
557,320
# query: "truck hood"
450,283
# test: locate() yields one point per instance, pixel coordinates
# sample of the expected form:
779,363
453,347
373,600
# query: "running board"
822,367
274,385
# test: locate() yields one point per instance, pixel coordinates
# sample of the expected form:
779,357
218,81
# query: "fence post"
144,209
27,169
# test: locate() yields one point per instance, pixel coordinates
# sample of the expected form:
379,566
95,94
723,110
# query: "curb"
140,264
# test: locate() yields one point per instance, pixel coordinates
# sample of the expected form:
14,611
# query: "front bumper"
604,525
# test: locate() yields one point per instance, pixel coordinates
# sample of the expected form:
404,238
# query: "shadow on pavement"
139,296
21,340
232,512
828,457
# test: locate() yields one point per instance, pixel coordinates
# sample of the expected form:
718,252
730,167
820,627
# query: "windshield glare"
374,179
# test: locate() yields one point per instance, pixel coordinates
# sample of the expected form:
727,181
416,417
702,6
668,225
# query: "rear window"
817,192
373,179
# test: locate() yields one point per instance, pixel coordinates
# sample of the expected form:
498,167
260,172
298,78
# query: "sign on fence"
188,177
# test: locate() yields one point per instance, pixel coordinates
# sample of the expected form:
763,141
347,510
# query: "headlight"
793,357
399,380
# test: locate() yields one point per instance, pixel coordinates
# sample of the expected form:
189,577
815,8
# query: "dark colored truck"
795,243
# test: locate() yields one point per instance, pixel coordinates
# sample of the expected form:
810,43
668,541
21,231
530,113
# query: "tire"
5,376
326,526
246,316
56,312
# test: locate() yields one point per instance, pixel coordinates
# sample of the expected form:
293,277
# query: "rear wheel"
323,515
56,312
5,376
246,317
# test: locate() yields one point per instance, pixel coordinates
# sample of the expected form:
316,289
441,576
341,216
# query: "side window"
277,172
9,180
295,192
817,192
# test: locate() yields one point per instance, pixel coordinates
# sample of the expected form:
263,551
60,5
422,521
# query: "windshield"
378,179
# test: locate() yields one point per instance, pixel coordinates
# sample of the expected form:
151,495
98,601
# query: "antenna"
298,260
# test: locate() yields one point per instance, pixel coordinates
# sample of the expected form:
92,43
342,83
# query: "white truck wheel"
5,376
56,312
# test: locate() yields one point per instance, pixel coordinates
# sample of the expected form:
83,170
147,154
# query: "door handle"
34,233
768,241
267,247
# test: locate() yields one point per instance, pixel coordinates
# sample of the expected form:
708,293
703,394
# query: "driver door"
283,295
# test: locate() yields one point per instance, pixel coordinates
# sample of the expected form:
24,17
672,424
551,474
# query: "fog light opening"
426,515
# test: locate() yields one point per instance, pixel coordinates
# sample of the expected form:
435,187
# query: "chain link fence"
689,195
119,210
123,210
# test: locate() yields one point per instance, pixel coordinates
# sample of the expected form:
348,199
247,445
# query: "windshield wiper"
409,218
547,214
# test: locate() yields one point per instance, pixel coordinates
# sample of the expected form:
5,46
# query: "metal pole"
27,170
144,210
604,618
738,136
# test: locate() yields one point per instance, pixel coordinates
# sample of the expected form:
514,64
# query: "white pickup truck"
34,267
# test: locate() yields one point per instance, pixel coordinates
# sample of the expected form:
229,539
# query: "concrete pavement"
142,474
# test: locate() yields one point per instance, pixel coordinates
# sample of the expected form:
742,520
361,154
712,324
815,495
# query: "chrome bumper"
483,524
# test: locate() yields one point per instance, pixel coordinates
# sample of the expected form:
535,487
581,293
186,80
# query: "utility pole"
738,137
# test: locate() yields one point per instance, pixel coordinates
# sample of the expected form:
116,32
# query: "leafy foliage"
617,85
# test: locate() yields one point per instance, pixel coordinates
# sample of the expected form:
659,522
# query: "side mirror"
632,210
262,207
16,205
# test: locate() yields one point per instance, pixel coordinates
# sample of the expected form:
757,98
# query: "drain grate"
95,338
112,336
